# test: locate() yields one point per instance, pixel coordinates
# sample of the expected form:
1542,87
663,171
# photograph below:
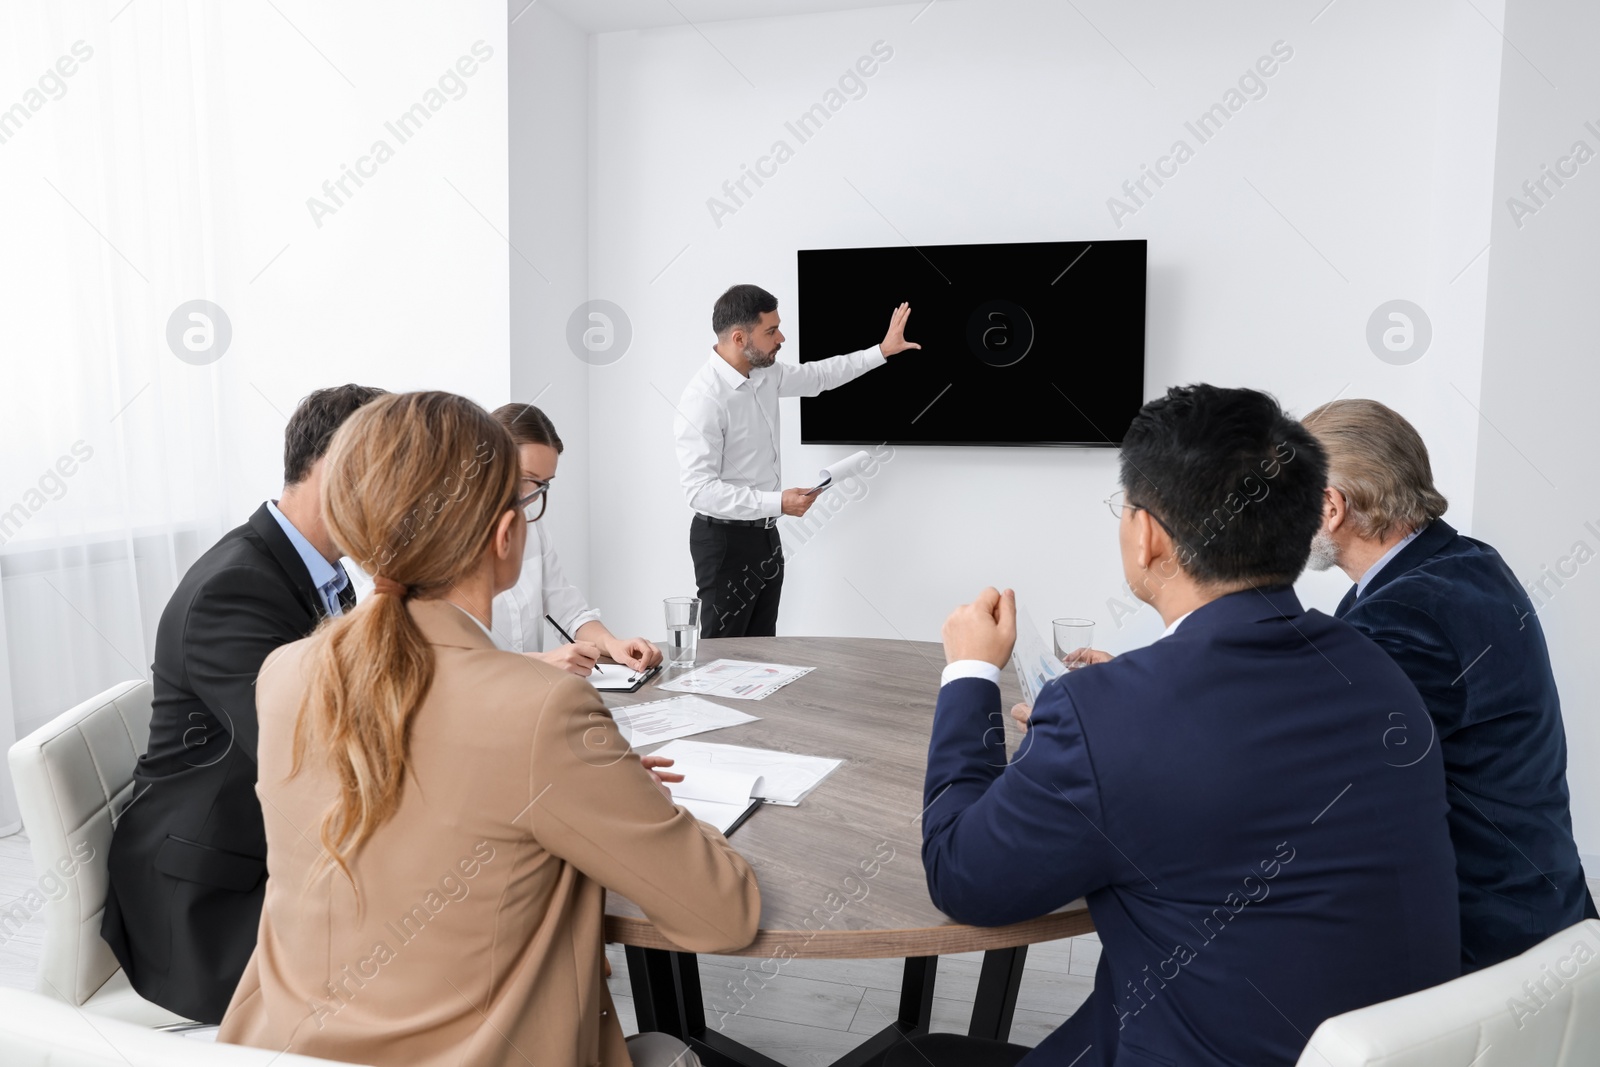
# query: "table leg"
998,984
656,1004
667,999
915,1015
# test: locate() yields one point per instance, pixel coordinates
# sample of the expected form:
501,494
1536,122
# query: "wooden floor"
812,1013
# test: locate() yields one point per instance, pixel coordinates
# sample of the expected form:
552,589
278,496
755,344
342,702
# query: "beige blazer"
478,939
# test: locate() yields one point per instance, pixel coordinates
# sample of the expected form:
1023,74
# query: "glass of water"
1074,637
683,630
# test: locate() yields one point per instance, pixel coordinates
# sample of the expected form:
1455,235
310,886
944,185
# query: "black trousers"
739,572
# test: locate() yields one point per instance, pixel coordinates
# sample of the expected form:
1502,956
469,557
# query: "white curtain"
159,152
116,452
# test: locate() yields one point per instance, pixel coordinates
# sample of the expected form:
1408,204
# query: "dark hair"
742,305
1235,482
528,425
313,423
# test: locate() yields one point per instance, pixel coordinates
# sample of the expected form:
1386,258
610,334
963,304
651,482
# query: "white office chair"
72,775
37,1031
1539,1009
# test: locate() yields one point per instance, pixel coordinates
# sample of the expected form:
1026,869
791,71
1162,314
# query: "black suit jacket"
188,855
1449,611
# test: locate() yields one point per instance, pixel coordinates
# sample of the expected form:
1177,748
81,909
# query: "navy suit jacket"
1453,616
1254,857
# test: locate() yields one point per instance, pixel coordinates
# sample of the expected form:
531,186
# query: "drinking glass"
1074,638
683,630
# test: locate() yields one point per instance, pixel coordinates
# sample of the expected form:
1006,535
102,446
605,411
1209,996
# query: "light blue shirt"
1372,571
329,578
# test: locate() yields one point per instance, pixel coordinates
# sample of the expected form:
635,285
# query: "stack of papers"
662,720
738,679
778,777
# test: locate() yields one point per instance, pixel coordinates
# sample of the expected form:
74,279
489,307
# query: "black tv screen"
1022,344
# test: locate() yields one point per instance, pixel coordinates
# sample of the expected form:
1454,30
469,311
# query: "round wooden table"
841,875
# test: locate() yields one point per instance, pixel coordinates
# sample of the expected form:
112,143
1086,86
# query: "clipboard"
621,681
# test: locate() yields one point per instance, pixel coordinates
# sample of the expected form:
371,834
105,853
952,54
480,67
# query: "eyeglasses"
532,504
1119,500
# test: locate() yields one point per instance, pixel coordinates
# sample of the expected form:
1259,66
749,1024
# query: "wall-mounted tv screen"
1022,344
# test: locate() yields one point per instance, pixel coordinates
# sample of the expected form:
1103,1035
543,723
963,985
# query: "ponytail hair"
414,486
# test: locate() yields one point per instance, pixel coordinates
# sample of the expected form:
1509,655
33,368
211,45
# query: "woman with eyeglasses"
543,589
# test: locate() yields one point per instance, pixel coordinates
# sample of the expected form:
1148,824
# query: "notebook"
723,798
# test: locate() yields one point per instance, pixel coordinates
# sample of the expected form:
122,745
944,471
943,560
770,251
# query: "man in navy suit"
1254,858
1449,611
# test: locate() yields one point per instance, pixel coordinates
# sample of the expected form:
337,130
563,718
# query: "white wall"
550,262
1015,120
1536,498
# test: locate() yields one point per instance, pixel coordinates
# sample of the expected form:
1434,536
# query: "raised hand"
895,340
984,630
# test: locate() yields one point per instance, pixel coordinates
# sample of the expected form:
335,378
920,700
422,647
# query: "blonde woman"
443,817
543,588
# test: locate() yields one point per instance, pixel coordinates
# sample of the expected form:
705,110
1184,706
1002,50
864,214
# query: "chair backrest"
74,775
1539,1009
36,1031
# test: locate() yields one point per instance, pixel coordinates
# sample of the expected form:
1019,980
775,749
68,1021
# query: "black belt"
765,524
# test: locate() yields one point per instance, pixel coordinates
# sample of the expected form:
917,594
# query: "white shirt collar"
1372,571
490,634
1175,624
726,371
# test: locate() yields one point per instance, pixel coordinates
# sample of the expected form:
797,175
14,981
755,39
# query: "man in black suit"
188,854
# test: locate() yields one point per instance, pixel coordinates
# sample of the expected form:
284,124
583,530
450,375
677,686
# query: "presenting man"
1251,862
728,442
1453,616
188,855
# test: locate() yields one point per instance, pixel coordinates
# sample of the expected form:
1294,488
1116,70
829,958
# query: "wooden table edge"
872,944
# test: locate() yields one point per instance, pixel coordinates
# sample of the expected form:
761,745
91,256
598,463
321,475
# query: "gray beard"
1324,552
758,358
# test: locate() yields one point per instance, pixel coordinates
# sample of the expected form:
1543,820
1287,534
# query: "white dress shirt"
542,589
727,430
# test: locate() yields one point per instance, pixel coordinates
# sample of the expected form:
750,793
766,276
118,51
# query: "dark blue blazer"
1450,612
1254,857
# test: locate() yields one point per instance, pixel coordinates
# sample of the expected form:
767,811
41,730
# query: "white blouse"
543,589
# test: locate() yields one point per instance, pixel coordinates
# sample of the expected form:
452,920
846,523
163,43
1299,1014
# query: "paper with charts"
1036,667
737,679
785,777
663,720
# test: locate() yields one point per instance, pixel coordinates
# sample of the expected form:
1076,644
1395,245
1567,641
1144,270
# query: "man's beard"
758,358
1324,552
